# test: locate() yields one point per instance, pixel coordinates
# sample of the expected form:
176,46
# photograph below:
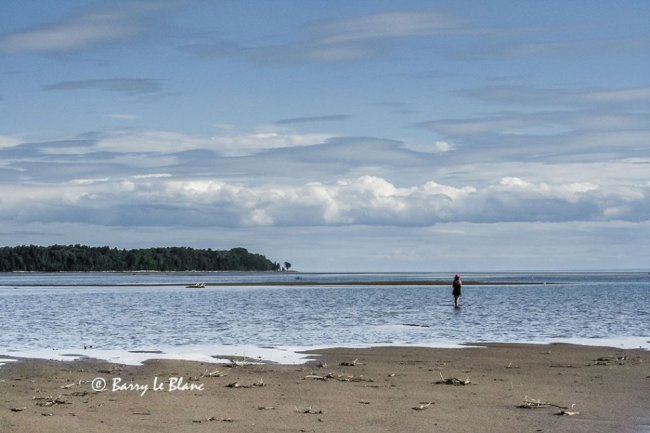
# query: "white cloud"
127,86
230,143
640,94
122,116
151,176
526,95
398,24
128,140
89,181
81,32
264,139
439,146
9,141
514,124
552,136
569,192
341,40
365,200
225,126
78,33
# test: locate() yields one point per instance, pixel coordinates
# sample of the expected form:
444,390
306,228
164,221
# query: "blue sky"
337,135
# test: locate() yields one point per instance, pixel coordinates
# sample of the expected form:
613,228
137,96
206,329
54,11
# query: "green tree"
76,258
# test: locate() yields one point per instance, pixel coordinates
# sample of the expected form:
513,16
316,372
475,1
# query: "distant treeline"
81,258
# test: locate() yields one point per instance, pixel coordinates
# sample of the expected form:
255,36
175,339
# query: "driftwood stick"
339,377
531,403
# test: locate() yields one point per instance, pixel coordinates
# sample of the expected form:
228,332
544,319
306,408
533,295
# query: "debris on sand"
531,403
260,382
309,410
213,418
566,412
423,406
50,401
351,364
453,381
339,377
215,373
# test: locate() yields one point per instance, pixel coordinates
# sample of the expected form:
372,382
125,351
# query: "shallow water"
117,313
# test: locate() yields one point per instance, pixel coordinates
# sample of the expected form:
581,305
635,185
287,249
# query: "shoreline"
365,389
298,283
282,355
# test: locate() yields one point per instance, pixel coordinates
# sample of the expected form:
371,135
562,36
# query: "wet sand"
386,389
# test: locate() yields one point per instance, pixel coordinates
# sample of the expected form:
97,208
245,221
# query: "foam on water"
211,354
618,342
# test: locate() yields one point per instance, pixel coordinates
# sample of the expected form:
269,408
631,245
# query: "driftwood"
531,403
339,377
18,409
453,381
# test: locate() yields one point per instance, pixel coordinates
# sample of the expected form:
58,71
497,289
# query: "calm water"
62,313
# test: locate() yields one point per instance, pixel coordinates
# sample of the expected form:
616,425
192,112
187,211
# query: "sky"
339,136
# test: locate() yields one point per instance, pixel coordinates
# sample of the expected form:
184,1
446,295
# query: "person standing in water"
457,284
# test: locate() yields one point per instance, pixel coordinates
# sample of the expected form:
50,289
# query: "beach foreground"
384,389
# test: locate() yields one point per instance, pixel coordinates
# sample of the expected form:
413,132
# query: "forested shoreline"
82,258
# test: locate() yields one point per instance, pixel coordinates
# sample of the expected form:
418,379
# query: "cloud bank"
161,200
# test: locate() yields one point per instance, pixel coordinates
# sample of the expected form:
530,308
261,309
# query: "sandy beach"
387,389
